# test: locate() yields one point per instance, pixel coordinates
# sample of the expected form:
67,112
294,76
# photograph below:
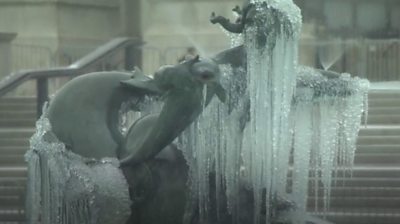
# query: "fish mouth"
207,76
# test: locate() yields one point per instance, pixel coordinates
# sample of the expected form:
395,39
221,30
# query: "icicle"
302,144
34,188
66,188
271,82
338,106
248,143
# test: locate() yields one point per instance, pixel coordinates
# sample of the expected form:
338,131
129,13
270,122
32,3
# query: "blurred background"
357,36
361,37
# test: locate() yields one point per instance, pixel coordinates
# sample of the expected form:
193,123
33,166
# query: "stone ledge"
7,37
90,3
197,1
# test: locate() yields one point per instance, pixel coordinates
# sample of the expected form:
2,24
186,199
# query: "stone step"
374,130
362,216
381,171
7,191
25,133
13,150
363,182
17,107
14,160
14,142
360,172
13,171
11,201
383,111
18,115
384,148
17,122
379,94
384,102
378,159
378,140
13,181
383,95
357,202
383,119
19,100
12,216
338,191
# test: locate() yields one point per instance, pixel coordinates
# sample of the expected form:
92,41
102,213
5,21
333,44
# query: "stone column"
131,24
5,53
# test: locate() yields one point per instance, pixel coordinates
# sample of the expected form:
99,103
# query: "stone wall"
85,24
72,28
67,29
61,25
5,52
172,26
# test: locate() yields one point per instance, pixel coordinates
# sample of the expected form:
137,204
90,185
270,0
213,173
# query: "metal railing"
376,60
25,56
98,60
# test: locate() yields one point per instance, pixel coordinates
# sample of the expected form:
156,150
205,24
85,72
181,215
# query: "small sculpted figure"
238,25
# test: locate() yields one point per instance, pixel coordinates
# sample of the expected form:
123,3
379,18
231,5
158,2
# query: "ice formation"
134,108
271,81
64,187
271,135
281,123
327,117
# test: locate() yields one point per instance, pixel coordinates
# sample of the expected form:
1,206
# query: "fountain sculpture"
190,158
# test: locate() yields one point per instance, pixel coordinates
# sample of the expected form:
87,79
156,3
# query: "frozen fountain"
251,155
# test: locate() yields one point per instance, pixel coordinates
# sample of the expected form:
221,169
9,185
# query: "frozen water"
64,187
135,108
336,107
394,85
267,132
329,53
249,142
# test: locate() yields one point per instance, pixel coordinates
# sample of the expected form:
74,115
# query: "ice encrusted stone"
64,187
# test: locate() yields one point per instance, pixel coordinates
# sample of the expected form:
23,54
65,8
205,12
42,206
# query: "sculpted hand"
217,19
238,10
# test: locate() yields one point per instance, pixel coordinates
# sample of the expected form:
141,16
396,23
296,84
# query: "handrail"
14,80
77,68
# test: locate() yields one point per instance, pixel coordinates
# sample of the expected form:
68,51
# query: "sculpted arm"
236,27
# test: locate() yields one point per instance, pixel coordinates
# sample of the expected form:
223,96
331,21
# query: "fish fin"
221,93
138,74
215,89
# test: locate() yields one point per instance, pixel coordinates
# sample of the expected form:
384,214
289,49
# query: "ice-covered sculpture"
282,122
79,131
246,160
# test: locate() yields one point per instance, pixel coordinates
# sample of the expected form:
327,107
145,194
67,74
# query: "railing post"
132,57
42,94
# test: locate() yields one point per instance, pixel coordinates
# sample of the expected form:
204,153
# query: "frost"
335,107
281,122
66,188
134,108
